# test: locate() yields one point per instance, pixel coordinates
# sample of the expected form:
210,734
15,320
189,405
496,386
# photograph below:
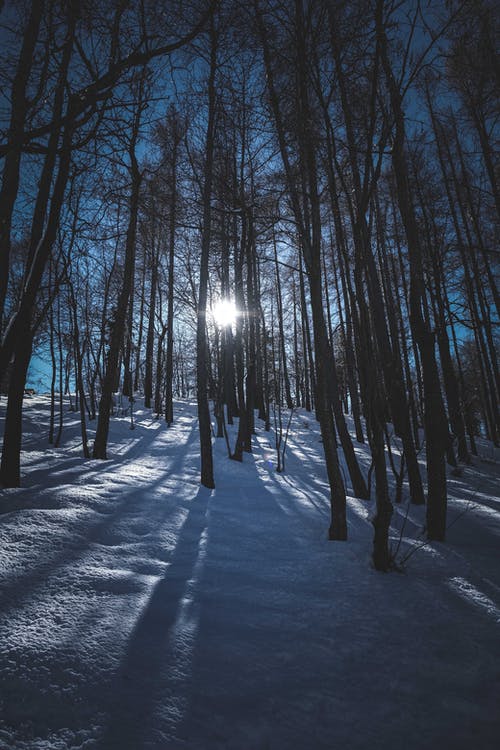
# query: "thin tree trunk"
118,327
79,373
169,362
279,301
137,369
150,335
207,472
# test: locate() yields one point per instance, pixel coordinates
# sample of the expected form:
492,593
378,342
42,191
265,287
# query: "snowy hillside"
139,610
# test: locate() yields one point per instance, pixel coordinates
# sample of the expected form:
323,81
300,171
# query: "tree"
207,472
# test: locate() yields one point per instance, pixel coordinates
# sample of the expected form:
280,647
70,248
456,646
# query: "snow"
139,610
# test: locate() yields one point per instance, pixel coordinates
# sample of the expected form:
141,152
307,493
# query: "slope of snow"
139,610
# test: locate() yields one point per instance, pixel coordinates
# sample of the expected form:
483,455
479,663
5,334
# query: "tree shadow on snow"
107,526
266,545
146,685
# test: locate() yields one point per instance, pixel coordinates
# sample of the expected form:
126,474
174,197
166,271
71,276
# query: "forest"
277,211
329,167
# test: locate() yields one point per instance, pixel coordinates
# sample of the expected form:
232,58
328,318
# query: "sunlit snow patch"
472,595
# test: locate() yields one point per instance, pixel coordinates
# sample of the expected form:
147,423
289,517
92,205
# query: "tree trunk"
279,301
207,472
118,326
18,339
169,362
10,179
10,467
150,335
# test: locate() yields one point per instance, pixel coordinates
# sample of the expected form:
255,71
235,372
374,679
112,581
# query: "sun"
225,312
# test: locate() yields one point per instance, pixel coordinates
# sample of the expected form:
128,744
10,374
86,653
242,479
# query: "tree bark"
207,471
11,170
118,326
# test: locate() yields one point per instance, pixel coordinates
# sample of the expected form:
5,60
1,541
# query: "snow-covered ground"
140,611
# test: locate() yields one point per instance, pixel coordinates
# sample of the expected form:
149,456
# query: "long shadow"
85,532
250,596
41,477
144,681
317,460
33,478
18,587
315,493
